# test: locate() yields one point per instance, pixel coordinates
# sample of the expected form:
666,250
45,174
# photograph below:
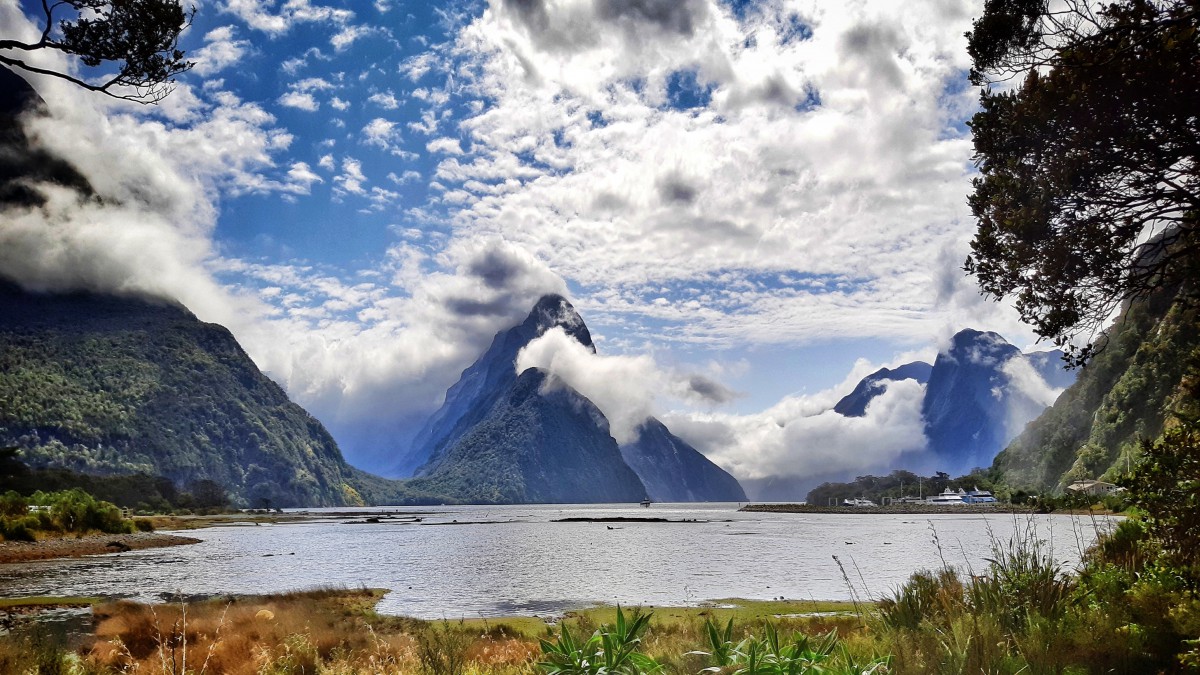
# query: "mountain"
973,406
498,438
105,384
1052,368
539,442
855,403
484,381
21,162
674,471
1127,392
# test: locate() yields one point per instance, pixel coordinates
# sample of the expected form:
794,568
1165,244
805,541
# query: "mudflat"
90,544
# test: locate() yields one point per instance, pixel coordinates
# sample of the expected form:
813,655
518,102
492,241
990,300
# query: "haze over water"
520,562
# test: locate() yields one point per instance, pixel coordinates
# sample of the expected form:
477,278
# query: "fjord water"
505,560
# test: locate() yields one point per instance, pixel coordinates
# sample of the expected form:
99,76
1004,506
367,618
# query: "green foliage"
443,649
770,654
104,385
1166,487
613,648
927,597
138,38
1022,582
1091,152
895,485
69,511
1126,393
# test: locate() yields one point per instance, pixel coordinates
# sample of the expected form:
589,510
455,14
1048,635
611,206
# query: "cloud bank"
627,389
698,175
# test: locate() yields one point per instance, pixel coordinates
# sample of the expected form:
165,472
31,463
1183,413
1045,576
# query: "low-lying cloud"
802,436
627,389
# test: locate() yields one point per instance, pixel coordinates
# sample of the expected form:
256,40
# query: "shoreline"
891,509
90,544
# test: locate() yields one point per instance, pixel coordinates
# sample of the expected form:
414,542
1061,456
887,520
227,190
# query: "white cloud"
626,389
221,50
300,93
384,99
310,84
349,35
299,100
415,67
351,180
812,188
408,176
261,14
293,66
801,435
303,177
449,146
835,159
383,134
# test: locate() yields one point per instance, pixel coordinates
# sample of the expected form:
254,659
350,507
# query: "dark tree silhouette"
139,37
1089,187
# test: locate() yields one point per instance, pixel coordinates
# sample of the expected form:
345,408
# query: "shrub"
611,649
19,528
443,649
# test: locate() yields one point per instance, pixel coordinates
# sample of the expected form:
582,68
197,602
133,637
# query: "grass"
338,632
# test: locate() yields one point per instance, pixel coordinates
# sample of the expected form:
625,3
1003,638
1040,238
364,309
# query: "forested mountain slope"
1124,394
106,384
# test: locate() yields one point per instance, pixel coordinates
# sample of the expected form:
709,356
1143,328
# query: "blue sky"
767,196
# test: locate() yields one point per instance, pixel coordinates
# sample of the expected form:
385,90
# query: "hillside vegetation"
110,385
1126,394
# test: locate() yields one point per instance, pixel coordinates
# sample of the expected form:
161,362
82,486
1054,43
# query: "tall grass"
1025,614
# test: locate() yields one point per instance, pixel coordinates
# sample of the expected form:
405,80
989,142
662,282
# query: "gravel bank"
92,544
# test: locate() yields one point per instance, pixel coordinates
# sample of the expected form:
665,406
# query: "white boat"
646,502
977,496
947,498
858,502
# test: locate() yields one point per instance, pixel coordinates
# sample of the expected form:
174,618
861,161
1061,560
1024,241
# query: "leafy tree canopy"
1087,144
138,37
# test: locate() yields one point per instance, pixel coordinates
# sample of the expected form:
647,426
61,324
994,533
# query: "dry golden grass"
327,631
337,632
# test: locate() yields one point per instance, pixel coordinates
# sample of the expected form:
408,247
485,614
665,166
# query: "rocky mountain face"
539,442
1127,392
104,384
481,384
674,471
1050,365
972,408
855,403
975,399
503,438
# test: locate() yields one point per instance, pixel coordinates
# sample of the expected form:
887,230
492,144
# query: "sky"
752,205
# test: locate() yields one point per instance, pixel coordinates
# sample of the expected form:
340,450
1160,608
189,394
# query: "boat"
646,502
977,496
947,498
858,502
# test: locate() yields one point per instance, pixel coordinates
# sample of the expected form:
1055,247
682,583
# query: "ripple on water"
527,564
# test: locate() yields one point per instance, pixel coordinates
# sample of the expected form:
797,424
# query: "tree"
139,37
1166,487
1089,190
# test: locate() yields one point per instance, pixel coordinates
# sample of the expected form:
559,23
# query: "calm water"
520,562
